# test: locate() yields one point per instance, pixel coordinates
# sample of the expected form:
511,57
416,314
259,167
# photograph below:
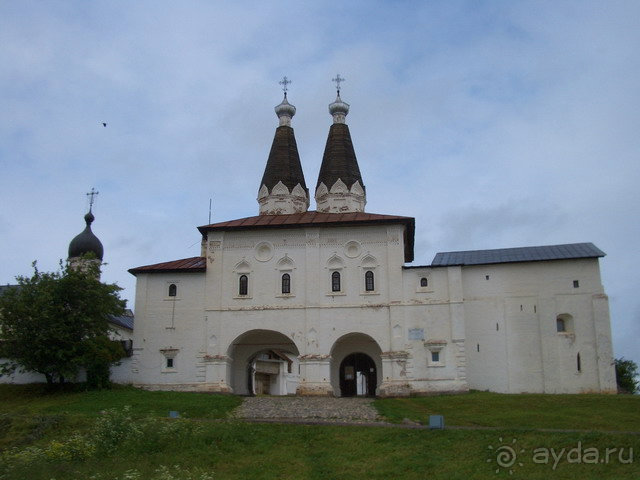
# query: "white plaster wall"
526,353
169,323
213,314
19,377
431,310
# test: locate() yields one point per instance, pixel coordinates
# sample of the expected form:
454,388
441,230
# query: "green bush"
626,375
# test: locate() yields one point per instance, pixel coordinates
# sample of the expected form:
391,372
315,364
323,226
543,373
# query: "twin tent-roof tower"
339,189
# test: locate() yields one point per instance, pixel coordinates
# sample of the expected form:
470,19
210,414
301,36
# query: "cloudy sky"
495,124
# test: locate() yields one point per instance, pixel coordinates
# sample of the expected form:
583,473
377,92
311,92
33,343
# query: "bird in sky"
104,124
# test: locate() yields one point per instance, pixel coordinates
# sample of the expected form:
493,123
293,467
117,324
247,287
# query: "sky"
494,123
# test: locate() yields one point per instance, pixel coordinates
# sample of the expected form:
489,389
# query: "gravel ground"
330,409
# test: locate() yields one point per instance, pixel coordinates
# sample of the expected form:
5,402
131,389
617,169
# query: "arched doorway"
358,376
356,365
263,362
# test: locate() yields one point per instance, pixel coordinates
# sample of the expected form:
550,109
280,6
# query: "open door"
358,376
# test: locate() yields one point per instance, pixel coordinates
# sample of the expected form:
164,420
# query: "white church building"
326,302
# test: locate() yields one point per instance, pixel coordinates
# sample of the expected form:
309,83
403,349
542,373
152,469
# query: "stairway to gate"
308,409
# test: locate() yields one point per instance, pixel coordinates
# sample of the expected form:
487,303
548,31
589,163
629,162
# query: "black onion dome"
339,159
283,164
86,242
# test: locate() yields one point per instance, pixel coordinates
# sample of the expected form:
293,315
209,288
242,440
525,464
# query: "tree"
626,375
51,323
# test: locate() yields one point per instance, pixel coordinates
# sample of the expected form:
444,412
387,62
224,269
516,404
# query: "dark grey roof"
86,242
522,254
339,159
283,164
124,321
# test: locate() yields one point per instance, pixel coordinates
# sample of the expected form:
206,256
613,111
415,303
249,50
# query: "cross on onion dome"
284,82
91,196
338,79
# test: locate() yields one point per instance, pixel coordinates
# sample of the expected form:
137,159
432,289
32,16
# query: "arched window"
335,282
424,282
368,281
286,283
173,290
243,285
561,326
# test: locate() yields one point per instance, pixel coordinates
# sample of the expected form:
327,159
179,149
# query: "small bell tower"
339,188
86,242
283,189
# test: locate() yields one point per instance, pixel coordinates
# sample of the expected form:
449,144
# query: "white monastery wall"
218,326
488,327
512,341
169,327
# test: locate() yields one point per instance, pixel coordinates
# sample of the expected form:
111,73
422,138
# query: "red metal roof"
305,219
192,264
313,218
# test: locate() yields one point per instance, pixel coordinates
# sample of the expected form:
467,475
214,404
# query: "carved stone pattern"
461,359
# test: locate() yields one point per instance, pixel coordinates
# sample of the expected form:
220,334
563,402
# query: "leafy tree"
100,353
51,323
626,375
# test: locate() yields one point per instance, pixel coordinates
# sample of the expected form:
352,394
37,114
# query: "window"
173,290
169,365
435,357
424,282
564,324
335,282
368,281
576,284
286,283
243,285
578,363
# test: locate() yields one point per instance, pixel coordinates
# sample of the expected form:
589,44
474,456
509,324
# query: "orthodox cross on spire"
284,82
91,196
338,79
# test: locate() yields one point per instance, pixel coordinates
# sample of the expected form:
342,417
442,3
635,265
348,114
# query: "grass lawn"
580,412
65,436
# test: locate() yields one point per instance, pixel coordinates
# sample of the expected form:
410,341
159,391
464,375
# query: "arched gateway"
263,362
356,365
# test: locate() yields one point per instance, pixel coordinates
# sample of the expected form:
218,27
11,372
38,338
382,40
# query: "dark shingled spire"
86,242
339,159
283,164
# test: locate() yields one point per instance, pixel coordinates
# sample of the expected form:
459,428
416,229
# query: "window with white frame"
284,280
435,353
368,266
424,283
169,363
242,288
335,265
